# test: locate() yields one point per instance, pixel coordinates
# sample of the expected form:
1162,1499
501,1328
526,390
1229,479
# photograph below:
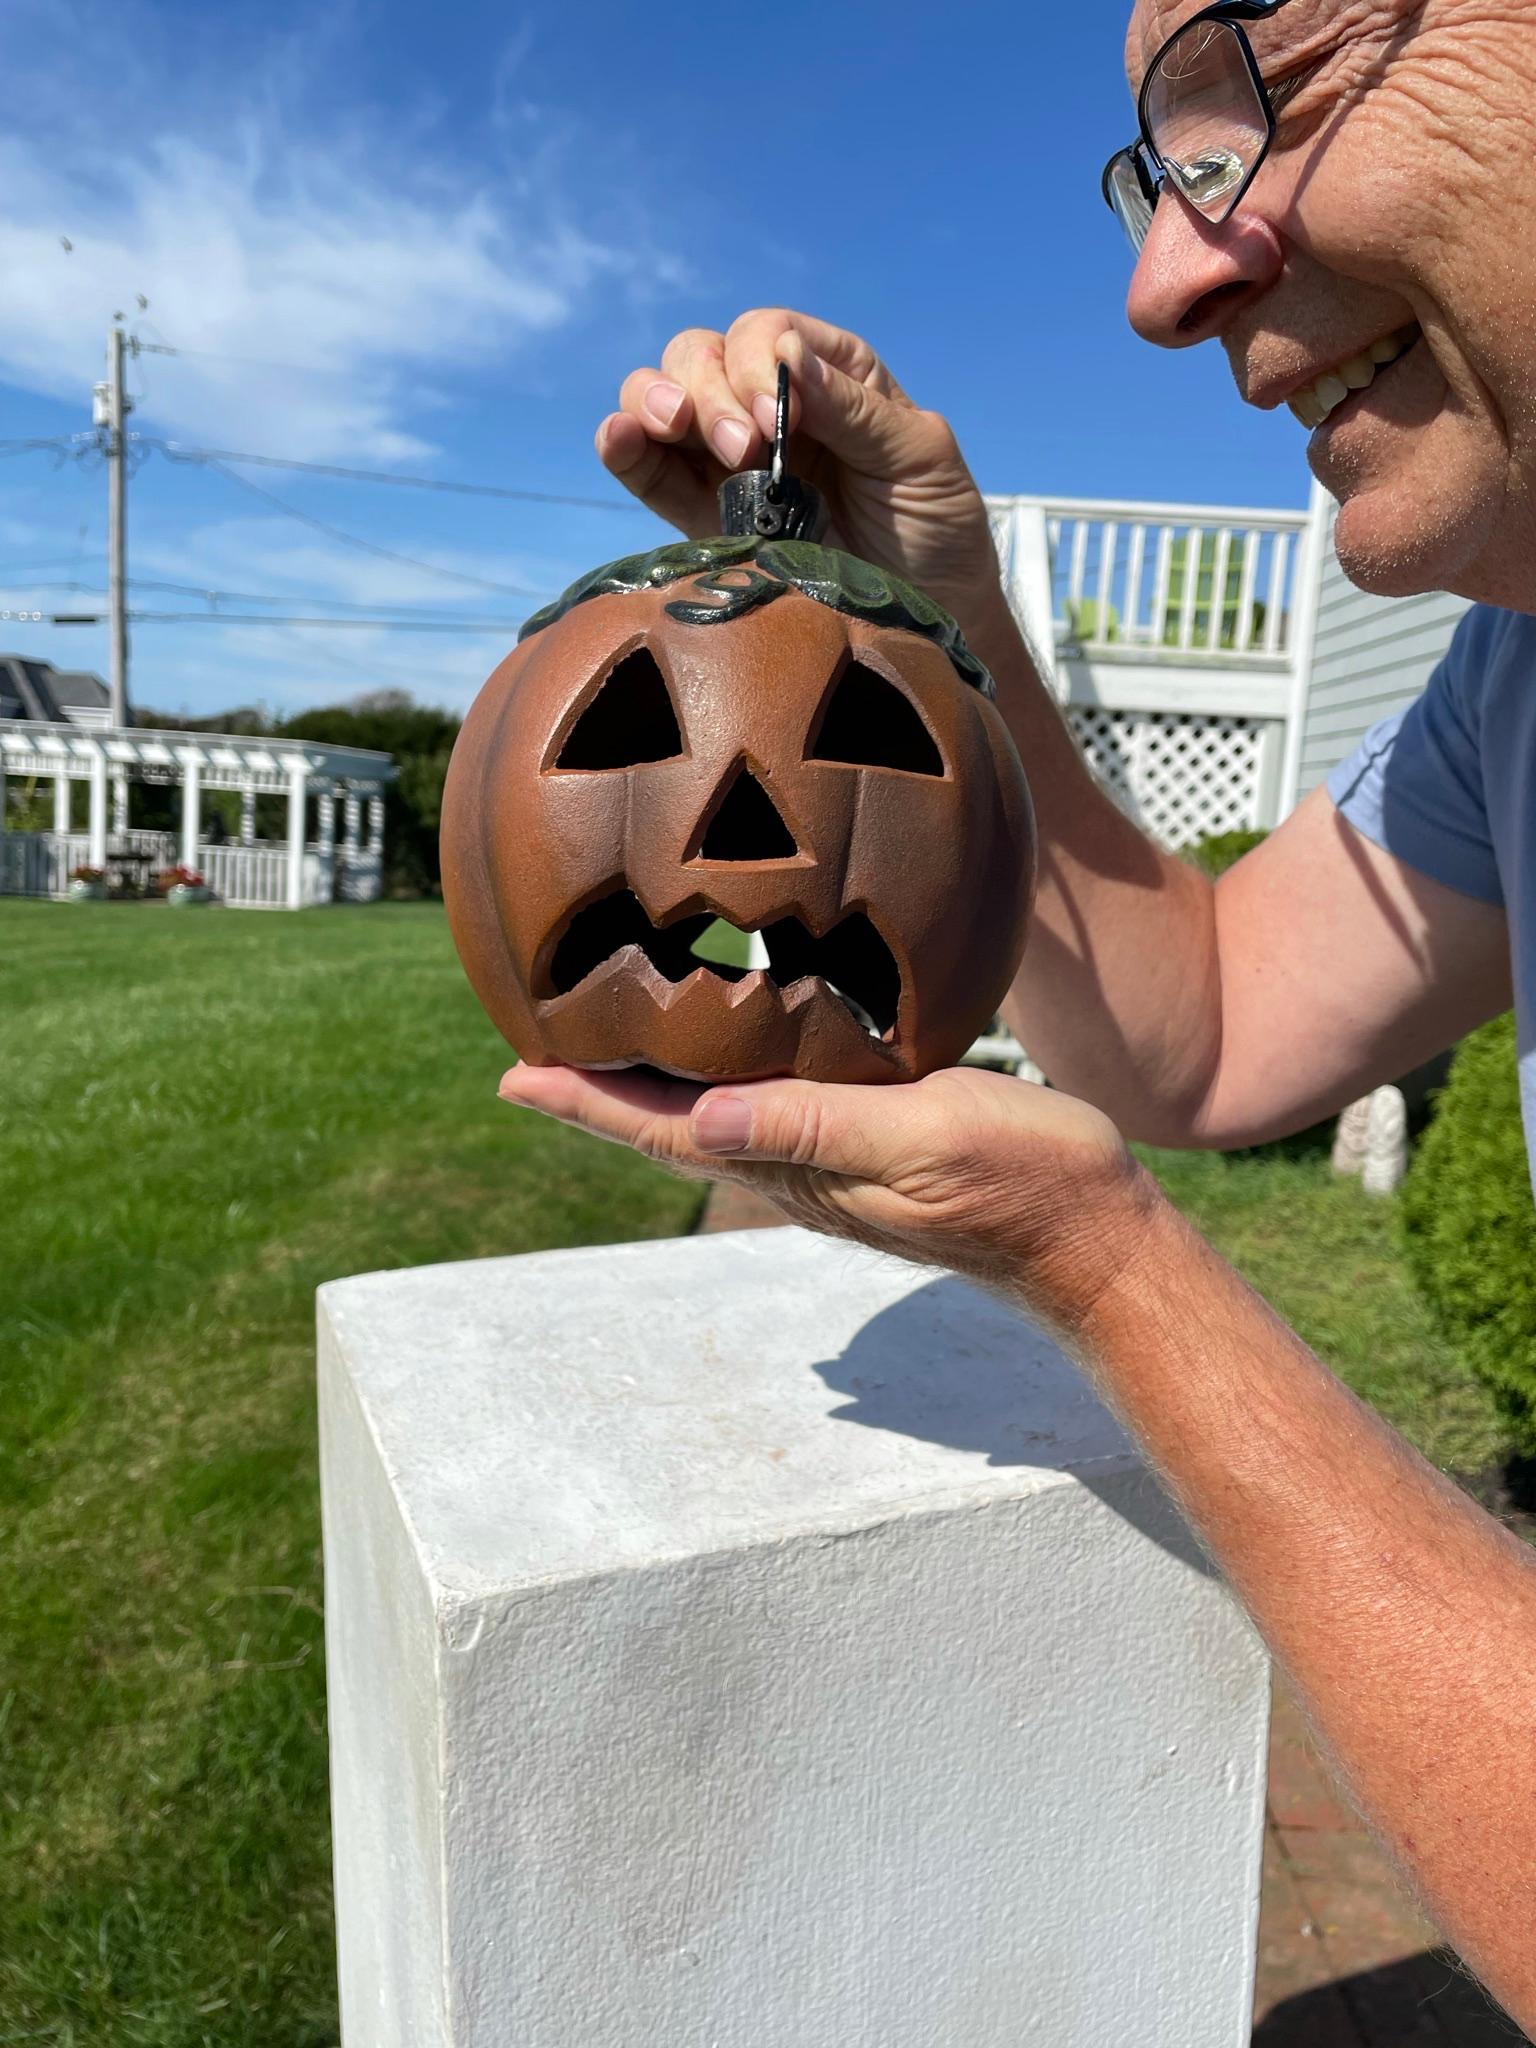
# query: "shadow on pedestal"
888,1369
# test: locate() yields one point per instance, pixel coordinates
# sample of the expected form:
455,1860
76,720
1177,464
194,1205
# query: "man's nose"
1192,276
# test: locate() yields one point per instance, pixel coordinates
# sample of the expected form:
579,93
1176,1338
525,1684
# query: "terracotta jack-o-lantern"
759,731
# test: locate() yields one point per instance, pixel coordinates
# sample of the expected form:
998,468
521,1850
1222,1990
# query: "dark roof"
36,689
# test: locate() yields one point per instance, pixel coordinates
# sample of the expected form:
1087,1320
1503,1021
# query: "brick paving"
1345,1958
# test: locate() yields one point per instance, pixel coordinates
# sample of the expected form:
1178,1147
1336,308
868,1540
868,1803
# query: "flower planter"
88,892
188,892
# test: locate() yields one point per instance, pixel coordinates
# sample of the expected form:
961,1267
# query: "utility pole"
112,408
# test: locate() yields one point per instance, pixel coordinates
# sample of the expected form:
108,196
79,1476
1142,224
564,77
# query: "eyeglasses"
1206,121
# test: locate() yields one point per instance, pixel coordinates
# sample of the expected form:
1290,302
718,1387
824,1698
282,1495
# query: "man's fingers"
842,394
663,407
638,1110
855,1132
757,342
861,425
724,424
662,478
859,1134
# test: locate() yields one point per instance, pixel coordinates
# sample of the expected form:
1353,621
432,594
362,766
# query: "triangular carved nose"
745,823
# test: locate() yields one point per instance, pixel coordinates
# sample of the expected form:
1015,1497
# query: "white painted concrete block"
749,1642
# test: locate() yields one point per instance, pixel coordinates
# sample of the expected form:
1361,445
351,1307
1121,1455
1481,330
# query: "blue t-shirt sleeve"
1414,785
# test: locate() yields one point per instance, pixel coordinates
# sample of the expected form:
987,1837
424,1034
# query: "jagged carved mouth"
851,960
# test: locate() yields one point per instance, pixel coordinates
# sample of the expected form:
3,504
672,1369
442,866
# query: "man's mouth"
851,960
1315,401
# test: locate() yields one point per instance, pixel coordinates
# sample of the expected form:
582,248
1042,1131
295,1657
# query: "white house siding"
1370,655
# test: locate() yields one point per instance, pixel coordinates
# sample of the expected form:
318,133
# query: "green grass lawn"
208,1113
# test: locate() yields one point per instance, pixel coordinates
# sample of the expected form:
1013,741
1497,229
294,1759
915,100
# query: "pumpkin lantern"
755,729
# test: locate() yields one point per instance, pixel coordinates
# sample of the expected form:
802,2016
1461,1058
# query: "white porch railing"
1196,580
1175,636
38,863
256,877
244,877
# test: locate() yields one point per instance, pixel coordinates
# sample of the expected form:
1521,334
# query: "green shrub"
1219,851
1470,1226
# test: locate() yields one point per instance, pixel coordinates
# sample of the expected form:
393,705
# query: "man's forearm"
1119,995
1405,1616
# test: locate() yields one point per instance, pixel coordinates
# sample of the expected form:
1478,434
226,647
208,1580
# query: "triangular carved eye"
631,720
868,723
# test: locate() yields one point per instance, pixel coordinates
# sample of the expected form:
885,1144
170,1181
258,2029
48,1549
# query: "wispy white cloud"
339,275
327,275
265,555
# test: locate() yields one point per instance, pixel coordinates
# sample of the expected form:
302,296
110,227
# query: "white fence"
1195,580
1176,637
245,877
251,877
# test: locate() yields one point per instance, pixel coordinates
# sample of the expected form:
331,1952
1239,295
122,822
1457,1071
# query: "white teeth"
1313,404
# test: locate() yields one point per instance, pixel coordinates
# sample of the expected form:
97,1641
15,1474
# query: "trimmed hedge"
1469,1224
1219,851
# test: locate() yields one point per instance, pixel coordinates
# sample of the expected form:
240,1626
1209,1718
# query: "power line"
178,453
214,355
270,619
340,604
404,615
370,547
43,441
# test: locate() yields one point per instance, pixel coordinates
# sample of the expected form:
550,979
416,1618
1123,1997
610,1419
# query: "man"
1339,191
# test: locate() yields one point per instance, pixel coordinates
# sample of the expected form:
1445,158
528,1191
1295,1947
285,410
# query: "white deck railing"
1174,580
1175,636
245,877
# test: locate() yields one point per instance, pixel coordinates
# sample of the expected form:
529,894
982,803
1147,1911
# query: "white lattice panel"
1180,775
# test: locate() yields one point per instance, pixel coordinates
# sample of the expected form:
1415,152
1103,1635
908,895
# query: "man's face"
1397,203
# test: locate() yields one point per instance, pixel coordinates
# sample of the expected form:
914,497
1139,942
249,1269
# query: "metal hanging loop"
776,467
773,503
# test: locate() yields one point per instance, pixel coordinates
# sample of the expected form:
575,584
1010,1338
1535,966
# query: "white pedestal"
749,1642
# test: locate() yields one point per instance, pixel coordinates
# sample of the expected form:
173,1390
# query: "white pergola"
245,872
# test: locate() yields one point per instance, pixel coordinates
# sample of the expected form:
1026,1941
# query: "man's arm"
1222,1014
1405,1616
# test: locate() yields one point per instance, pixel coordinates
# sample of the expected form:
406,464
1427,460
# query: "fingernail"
662,401
506,1087
765,411
722,1123
812,369
732,439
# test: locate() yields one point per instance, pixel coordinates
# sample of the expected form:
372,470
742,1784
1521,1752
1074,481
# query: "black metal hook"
779,463
773,503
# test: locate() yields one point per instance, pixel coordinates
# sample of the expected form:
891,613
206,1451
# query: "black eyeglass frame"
1142,154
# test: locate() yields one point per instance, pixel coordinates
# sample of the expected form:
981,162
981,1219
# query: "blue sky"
435,239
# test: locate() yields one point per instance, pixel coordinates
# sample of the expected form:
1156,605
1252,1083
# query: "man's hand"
1025,1189
894,479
